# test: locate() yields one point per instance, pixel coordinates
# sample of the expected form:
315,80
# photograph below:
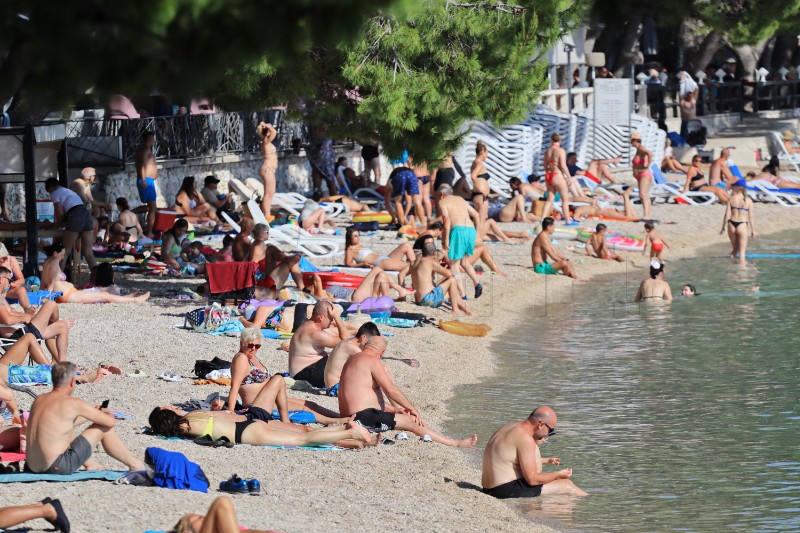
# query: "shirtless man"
426,293
344,351
240,249
543,249
146,175
307,355
275,265
462,225
557,178
83,187
363,384
720,173
512,464
53,447
45,324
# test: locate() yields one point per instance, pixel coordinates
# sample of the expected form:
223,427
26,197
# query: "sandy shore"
411,486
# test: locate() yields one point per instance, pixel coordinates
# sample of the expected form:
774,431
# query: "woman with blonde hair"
269,164
739,220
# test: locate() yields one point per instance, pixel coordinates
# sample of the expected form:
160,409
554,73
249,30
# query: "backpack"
103,275
202,368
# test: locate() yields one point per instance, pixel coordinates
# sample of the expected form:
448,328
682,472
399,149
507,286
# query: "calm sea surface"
681,417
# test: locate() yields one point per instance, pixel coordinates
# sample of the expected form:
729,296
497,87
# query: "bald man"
307,349
362,386
83,187
512,465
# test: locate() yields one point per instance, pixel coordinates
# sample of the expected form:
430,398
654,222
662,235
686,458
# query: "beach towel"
83,475
174,471
11,457
395,322
307,266
230,276
228,328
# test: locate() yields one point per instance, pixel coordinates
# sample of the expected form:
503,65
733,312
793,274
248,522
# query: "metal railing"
194,136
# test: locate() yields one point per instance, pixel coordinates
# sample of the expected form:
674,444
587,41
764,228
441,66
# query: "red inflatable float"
350,281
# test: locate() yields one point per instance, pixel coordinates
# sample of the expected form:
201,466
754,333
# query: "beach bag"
366,226
202,368
154,266
194,319
102,275
215,315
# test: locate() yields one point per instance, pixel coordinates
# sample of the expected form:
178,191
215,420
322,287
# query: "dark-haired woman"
358,255
191,203
53,279
654,288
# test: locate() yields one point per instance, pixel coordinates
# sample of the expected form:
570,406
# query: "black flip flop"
61,523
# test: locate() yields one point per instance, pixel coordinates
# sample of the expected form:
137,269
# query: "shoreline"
410,486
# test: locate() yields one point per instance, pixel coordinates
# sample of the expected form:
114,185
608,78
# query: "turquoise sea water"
678,417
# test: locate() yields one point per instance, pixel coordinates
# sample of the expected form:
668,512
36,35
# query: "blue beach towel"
83,475
307,266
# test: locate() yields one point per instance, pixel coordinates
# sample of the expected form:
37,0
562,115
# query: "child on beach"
656,240
195,254
597,242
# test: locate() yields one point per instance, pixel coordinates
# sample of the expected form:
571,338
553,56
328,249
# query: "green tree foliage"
746,22
53,50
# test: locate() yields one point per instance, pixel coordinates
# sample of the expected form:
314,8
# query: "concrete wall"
293,174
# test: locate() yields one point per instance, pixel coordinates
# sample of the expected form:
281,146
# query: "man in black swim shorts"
307,355
512,465
363,383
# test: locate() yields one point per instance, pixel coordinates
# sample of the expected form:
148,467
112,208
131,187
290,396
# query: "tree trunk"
783,52
750,56
629,46
710,46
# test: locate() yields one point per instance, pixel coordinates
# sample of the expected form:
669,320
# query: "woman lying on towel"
14,370
251,382
358,255
255,427
53,279
221,518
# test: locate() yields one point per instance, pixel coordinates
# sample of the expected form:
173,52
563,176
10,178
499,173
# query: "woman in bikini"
556,175
424,178
358,255
128,220
53,279
220,518
16,288
269,164
739,221
654,288
641,171
696,181
191,203
770,174
480,181
251,382
248,428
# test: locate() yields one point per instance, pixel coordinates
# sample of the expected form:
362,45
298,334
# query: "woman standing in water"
654,288
268,166
739,221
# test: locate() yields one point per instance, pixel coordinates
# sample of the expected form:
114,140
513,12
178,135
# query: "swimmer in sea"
689,290
654,288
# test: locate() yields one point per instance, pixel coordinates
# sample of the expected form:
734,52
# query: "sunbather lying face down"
251,428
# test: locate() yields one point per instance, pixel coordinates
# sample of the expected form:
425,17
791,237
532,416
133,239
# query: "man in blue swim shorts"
426,293
543,249
146,175
404,183
462,224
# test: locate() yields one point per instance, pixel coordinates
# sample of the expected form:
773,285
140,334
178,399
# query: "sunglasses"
551,432
256,346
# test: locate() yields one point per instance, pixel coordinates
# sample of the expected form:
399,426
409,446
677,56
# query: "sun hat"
3,250
787,136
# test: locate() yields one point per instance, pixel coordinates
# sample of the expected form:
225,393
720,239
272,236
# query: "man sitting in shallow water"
512,464
364,382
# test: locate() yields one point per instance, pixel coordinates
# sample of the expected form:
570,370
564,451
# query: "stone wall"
293,174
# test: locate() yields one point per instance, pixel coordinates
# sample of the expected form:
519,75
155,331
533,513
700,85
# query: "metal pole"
569,77
31,267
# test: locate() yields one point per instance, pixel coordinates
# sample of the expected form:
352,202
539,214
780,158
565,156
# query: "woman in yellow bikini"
53,279
268,166
641,171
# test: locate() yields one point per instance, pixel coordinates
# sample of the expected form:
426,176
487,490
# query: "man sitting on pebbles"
363,384
307,355
426,293
344,351
53,447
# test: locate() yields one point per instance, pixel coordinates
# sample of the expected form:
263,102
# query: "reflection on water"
674,417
